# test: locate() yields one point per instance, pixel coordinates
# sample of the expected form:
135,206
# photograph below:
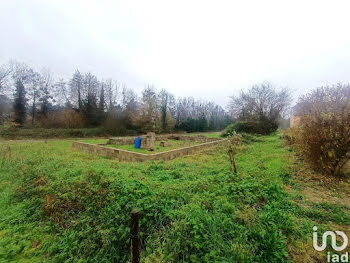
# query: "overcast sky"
205,49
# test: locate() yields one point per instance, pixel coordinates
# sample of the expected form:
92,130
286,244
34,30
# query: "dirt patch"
319,188
320,194
304,252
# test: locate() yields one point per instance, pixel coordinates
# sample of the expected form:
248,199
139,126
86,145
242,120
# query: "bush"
254,127
67,118
39,133
288,137
115,123
323,135
194,125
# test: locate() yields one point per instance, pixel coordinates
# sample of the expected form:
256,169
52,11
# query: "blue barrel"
137,142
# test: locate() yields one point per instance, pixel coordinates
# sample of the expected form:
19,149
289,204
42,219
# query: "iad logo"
334,240
334,257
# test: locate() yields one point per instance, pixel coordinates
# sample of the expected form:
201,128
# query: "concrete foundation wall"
130,140
123,155
200,139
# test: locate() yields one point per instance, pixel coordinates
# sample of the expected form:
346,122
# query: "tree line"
33,98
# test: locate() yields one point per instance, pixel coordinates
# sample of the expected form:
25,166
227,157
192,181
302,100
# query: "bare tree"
32,84
5,72
148,116
5,103
61,93
112,90
260,100
166,104
263,104
129,99
129,107
20,71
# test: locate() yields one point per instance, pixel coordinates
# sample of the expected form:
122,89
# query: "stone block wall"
130,140
199,139
124,155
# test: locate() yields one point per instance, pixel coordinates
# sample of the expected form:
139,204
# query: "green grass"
61,205
206,134
95,141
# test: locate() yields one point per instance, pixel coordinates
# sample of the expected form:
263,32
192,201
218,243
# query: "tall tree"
76,90
202,123
101,104
111,93
149,109
19,105
129,108
91,85
211,126
45,91
164,97
167,110
33,82
61,93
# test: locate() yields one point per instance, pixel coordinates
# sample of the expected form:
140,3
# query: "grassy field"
95,141
61,205
207,134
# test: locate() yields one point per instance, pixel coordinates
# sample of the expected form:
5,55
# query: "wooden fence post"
232,159
135,236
